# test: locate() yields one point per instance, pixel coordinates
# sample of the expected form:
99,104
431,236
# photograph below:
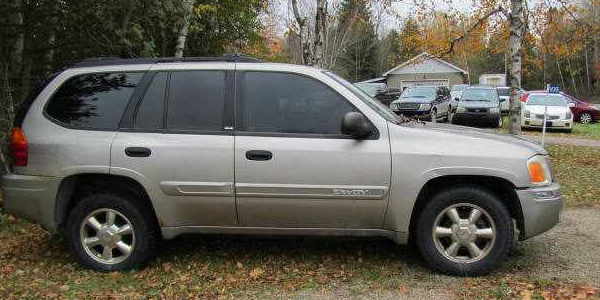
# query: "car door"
294,167
174,142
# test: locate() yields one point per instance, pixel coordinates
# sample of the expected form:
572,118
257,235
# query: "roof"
110,61
420,60
374,80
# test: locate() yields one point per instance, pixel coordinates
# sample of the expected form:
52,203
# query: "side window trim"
239,78
128,119
68,126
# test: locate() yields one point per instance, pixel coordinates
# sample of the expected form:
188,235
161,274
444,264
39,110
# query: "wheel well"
502,188
74,188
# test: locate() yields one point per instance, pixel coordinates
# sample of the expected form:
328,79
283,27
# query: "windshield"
504,92
419,92
488,95
369,89
547,100
458,88
384,111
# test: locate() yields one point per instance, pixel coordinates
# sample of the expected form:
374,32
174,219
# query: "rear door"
294,167
174,141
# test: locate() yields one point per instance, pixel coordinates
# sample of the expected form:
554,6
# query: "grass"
578,171
35,264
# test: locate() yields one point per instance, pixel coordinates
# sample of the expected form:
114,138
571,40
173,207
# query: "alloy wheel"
107,236
464,233
585,118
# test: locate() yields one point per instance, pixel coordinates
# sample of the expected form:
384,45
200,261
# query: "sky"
393,18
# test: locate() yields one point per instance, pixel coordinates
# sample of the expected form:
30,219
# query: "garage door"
433,82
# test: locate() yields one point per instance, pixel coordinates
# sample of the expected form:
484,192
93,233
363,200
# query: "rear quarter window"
93,101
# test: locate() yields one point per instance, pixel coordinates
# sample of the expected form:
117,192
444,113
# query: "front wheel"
464,231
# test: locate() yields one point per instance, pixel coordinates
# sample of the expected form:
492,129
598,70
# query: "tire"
436,246
451,117
500,122
434,115
142,241
585,118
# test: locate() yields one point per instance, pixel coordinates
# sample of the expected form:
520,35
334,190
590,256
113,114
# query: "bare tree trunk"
587,70
320,29
188,6
303,34
572,76
51,42
17,53
515,44
562,78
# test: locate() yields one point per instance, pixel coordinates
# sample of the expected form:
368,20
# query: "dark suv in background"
423,102
478,105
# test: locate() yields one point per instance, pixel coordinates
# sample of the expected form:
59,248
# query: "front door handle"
137,151
259,155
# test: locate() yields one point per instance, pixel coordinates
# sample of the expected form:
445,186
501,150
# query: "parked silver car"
117,154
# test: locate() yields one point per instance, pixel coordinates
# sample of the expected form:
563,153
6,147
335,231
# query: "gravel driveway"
569,253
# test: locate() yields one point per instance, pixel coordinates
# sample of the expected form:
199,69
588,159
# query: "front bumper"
420,114
541,207
475,117
537,123
31,197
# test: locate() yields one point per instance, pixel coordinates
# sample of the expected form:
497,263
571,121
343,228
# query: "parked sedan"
554,108
583,111
423,102
478,105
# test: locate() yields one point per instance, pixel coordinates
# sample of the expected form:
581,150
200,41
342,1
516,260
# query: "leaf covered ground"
34,264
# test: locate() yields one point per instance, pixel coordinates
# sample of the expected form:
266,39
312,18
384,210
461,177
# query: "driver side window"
272,102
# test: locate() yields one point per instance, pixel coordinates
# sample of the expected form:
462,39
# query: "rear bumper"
541,209
31,197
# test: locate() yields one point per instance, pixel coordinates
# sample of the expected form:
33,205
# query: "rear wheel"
585,118
464,231
110,232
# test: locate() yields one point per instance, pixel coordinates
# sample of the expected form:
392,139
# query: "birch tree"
188,12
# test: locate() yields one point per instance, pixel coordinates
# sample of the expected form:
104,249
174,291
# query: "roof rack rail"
108,61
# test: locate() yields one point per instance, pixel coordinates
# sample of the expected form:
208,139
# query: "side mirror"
457,99
356,125
571,104
502,100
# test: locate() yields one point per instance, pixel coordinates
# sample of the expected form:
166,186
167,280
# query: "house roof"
420,60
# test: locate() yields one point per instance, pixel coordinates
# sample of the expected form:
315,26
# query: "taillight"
524,97
18,147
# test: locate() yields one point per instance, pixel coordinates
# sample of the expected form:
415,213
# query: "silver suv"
119,154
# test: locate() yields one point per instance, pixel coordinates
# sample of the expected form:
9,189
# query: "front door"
294,167
177,147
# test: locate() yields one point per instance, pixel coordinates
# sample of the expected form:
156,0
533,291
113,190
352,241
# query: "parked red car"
583,112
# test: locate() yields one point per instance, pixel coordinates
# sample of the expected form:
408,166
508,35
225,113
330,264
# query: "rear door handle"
137,151
259,155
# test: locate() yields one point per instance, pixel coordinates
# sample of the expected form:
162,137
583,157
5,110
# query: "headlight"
424,106
494,110
569,115
527,114
539,170
460,109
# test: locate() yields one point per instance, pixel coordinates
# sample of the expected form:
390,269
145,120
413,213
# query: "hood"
552,110
414,100
466,135
478,104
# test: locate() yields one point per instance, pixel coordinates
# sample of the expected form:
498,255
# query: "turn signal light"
536,172
18,147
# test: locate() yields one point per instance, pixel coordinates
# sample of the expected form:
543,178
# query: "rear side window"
287,103
151,111
94,101
196,100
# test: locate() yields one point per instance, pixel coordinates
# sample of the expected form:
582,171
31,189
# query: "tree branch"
479,22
